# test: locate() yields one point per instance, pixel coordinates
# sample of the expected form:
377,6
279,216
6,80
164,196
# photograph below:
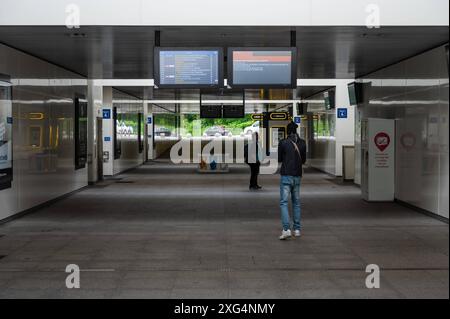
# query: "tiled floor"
172,233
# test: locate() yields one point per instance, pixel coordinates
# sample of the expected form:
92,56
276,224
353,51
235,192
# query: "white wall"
324,155
345,127
231,12
130,156
327,152
414,92
46,171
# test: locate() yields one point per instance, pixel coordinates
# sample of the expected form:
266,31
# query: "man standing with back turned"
291,155
252,153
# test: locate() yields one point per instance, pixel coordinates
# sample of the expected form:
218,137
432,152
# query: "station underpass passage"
95,119
175,122
155,237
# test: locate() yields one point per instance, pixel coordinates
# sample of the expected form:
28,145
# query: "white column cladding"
108,131
344,133
95,97
145,133
149,120
147,111
378,181
294,110
345,126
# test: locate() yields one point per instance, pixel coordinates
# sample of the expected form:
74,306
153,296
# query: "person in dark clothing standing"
252,158
292,156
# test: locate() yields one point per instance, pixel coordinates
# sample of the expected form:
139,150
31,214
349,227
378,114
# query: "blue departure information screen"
194,67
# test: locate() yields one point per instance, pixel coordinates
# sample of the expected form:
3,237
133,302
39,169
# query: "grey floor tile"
199,293
162,280
200,280
83,294
142,294
256,293
174,233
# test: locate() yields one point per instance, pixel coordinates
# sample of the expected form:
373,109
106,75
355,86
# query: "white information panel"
378,159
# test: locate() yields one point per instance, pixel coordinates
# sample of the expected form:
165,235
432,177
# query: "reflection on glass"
324,124
141,131
6,169
35,136
128,127
217,127
80,132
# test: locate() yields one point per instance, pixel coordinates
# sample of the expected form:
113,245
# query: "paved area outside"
164,231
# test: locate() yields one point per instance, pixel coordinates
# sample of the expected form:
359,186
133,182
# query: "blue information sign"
107,139
297,119
106,114
149,120
342,113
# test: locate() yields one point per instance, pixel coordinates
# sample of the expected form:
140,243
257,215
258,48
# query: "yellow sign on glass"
257,117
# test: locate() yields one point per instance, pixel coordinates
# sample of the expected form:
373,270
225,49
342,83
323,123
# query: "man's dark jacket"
291,160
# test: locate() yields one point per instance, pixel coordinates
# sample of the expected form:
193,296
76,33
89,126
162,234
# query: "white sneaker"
285,234
297,233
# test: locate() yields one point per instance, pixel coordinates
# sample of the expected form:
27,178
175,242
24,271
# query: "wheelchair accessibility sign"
342,113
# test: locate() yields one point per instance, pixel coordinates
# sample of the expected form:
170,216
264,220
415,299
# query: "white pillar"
145,133
345,126
95,96
294,110
108,131
149,119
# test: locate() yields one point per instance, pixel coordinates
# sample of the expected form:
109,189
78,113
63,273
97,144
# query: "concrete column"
345,127
95,97
294,109
145,133
108,131
150,120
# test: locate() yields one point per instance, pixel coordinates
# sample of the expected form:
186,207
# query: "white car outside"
123,129
252,128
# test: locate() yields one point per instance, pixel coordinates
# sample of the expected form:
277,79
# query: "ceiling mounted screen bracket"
293,38
157,38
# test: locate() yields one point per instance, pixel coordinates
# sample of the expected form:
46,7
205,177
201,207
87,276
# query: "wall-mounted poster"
80,132
6,160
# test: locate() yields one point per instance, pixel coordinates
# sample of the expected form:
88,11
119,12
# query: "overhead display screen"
182,68
262,67
210,111
351,93
355,92
329,99
233,111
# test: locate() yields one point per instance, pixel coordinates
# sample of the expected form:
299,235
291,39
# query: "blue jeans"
290,185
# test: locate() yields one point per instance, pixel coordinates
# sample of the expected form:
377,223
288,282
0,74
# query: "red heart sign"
382,141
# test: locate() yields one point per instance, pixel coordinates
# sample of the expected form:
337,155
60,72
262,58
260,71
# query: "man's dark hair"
292,128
